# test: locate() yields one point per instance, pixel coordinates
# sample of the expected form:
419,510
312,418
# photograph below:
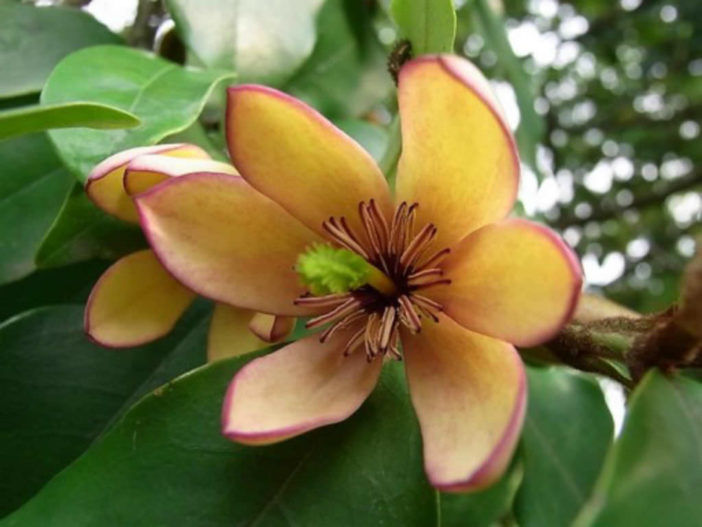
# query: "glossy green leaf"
32,187
35,39
27,119
82,231
483,508
58,391
653,475
262,41
346,73
63,285
430,25
166,463
164,96
567,431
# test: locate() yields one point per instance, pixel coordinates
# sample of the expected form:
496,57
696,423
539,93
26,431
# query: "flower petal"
229,334
104,185
300,387
514,280
144,172
134,301
226,241
299,159
271,328
459,160
469,393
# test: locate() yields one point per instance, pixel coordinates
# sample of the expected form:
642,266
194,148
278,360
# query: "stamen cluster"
404,257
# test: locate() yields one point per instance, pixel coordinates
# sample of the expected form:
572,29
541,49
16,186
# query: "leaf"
653,474
64,285
483,508
430,25
166,97
166,463
567,432
263,42
82,232
32,187
346,73
37,118
58,391
35,39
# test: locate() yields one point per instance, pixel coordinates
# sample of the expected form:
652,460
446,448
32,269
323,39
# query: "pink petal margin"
498,460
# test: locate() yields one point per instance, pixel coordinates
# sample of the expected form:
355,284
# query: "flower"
450,285
136,300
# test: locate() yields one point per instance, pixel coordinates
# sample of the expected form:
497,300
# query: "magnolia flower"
435,275
136,300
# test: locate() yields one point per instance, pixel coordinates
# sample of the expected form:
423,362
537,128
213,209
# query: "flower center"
403,265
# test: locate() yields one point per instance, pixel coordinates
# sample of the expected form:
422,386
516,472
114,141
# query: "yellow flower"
454,285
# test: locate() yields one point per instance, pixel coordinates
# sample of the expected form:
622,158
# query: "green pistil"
326,270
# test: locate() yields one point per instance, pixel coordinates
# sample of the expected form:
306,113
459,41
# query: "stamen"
340,324
354,342
442,281
344,309
370,337
426,302
435,259
387,324
343,237
379,220
420,241
388,297
408,315
322,301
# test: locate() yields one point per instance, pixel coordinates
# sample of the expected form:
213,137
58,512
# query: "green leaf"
430,25
166,97
32,187
346,73
64,285
35,39
483,508
653,474
262,41
166,463
37,118
82,231
567,431
58,391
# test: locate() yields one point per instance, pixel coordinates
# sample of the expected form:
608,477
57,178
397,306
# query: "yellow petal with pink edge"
514,280
135,301
271,328
459,160
226,241
229,334
144,172
299,159
469,393
105,186
298,388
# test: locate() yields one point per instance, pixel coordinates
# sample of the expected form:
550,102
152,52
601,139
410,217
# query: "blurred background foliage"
604,96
